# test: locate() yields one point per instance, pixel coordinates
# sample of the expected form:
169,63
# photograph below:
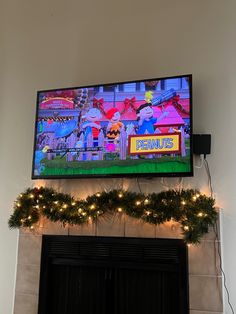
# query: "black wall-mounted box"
202,144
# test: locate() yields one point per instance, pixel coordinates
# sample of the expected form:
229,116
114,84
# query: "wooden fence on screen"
120,146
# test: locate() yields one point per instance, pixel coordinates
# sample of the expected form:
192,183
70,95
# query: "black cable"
137,179
215,228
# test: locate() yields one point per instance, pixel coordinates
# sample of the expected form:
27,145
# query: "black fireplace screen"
103,275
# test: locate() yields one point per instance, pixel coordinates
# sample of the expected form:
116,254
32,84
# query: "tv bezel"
128,175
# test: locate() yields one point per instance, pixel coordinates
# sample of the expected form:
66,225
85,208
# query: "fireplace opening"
109,275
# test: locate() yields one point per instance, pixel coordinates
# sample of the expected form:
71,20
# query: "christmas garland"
194,211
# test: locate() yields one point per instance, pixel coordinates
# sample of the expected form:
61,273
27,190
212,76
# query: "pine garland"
194,211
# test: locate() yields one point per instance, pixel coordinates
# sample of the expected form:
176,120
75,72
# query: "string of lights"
194,211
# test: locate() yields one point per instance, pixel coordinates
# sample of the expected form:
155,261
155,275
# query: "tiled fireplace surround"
205,285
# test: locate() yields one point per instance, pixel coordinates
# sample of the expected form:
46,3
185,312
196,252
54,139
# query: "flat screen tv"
135,128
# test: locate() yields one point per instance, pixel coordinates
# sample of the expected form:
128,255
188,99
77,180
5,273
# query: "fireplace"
113,275
205,288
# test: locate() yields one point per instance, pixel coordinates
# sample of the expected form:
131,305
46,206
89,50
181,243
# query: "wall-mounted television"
134,128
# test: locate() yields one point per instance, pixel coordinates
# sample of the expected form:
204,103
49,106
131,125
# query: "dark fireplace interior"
109,275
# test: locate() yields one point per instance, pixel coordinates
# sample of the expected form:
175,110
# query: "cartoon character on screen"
146,121
114,126
38,158
92,125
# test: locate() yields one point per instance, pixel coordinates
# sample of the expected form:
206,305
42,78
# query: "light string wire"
217,241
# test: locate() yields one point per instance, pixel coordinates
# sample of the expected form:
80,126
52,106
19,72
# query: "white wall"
58,43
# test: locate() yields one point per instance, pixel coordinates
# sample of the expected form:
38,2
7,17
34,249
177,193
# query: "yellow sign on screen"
154,144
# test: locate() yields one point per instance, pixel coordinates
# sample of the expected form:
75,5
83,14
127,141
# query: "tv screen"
135,128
